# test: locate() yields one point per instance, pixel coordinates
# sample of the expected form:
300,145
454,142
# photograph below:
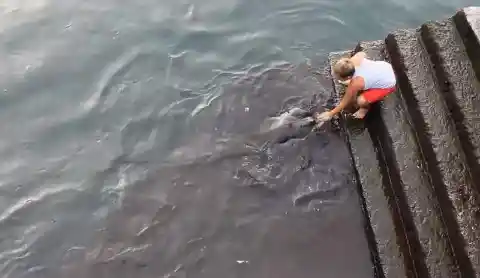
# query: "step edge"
427,148
470,37
464,237
380,259
433,50
424,263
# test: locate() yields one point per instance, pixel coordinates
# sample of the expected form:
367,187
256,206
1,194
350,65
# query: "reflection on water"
134,142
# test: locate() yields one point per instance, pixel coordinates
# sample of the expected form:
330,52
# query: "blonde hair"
344,68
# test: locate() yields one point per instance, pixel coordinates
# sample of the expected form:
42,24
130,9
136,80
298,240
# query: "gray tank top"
376,74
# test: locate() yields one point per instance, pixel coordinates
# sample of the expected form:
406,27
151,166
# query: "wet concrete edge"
380,133
389,252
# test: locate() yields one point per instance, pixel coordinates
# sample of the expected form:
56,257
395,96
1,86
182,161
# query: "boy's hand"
323,117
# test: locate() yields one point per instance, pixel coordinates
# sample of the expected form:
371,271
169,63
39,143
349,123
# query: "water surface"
131,137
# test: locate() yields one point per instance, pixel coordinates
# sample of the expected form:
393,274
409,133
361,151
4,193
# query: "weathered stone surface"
398,157
461,91
426,141
384,227
434,134
467,21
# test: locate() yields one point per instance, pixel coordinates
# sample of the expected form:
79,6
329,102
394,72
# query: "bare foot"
361,113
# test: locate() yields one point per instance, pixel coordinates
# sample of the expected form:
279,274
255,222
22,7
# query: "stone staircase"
417,154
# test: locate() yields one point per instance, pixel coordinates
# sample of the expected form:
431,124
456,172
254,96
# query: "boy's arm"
359,56
353,88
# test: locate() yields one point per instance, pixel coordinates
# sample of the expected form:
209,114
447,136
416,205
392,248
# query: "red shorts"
374,95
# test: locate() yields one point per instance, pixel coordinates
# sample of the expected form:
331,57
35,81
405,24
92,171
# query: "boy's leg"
367,98
352,106
363,105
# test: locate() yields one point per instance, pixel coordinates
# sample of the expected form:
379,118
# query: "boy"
375,78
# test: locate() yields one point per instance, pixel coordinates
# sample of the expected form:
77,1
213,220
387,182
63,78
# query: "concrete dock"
417,154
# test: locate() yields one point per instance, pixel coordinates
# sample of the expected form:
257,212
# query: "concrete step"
461,91
467,21
389,247
426,141
439,145
395,134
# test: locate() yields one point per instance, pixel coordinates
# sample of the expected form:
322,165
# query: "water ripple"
133,145
33,200
119,67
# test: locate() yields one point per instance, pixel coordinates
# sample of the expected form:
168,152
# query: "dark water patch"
218,207
211,201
